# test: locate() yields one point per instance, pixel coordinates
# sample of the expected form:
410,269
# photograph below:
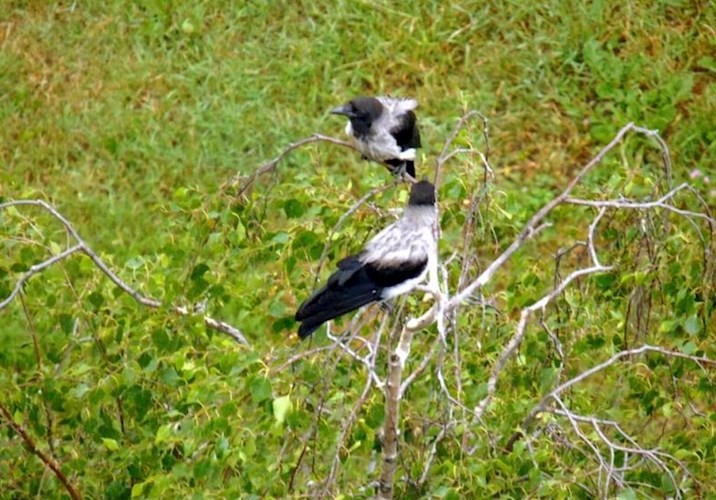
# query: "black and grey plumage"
384,129
392,263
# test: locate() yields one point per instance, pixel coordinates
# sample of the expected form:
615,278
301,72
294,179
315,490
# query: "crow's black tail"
332,301
410,169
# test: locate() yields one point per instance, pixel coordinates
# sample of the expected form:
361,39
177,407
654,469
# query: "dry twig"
46,459
447,306
82,247
246,182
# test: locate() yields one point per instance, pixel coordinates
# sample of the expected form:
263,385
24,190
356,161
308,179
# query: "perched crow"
392,263
384,129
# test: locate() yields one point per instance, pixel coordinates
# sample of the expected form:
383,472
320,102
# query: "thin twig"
46,459
535,222
520,333
345,428
37,268
444,156
271,165
544,402
627,204
83,247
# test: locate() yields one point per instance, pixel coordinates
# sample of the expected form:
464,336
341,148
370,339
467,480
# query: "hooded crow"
391,264
384,129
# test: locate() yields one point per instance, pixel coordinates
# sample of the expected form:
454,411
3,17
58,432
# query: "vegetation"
140,122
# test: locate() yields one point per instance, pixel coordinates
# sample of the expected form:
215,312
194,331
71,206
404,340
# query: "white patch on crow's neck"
398,105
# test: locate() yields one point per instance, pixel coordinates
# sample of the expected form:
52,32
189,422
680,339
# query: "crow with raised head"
392,263
384,129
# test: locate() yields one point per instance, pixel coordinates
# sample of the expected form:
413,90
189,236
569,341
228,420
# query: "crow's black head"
422,194
362,112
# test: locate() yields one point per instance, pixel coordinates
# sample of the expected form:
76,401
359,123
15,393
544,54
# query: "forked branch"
82,247
246,182
46,459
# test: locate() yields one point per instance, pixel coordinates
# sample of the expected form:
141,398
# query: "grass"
109,109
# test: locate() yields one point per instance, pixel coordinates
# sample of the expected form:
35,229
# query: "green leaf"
708,62
293,208
135,263
96,299
110,444
260,388
669,326
222,446
281,406
170,376
689,348
277,309
202,468
163,433
548,378
138,490
161,339
79,391
281,238
627,494
66,323
215,239
239,233
692,325
18,418
199,271
188,27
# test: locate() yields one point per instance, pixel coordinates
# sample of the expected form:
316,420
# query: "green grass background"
108,107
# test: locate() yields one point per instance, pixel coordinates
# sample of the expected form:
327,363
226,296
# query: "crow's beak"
342,110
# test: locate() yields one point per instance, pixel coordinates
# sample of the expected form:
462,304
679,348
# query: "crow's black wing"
347,289
406,132
389,276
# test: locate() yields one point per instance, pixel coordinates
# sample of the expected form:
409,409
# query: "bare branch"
271,165
446,427
590,237
37,268
369,360
46,459
665,155
345,428
488,273
297,357
444,156
624,203
220,326
348,422
84,248
622,354
543,405
611,471
535,222
603,466
421,366
392,407
516,339
445,309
